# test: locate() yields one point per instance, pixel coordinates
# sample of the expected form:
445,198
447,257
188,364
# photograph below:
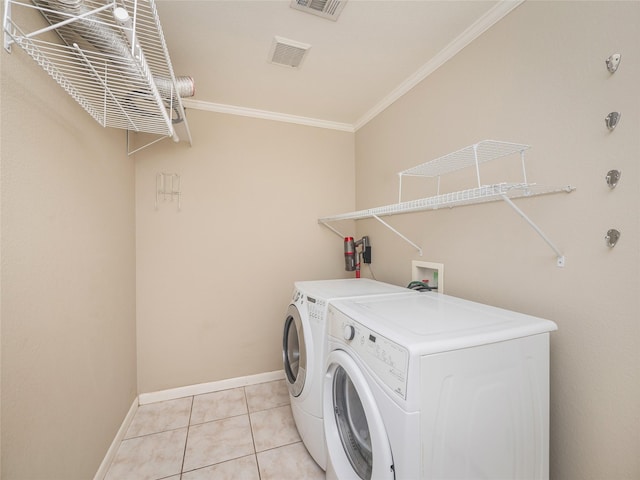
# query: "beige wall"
68,280
214,279
537,77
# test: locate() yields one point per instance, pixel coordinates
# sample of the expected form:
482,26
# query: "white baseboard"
201,388
111,453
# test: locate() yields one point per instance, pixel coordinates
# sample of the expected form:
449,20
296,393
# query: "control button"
349,332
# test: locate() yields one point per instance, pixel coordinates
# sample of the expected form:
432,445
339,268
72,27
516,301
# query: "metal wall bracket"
337,232
560,257
168,188
612,237
613,62
399,234
612,120
612,178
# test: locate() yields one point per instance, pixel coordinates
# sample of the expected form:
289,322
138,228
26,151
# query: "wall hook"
612,120
168,188
613,177
613,62
612,237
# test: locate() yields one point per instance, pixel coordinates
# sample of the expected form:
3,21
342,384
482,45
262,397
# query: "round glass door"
356,436
293,351
351,421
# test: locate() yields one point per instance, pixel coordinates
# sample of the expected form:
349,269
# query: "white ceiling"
356,66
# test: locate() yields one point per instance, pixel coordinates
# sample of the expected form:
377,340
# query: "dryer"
435,387
304,349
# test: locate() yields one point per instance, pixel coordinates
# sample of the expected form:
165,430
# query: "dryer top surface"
431,322
347,287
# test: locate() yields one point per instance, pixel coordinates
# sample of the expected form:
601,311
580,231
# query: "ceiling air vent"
288,53
329,9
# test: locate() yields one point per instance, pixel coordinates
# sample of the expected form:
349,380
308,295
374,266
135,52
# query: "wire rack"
111,57
484,194
476,154
473,155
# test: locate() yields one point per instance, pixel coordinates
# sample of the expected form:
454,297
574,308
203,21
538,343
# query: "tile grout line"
280,446
186,439
151,434
253,438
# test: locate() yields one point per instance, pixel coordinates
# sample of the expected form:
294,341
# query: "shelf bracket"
399,234
560,256
326,224
332,229
152,142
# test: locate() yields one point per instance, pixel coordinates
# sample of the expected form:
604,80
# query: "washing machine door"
294,354
357,442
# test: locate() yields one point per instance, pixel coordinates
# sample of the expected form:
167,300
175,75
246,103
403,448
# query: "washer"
435,387
304,349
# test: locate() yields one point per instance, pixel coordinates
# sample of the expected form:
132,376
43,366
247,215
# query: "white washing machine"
435,387
304,349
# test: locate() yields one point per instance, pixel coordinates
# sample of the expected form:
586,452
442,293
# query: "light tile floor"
245,433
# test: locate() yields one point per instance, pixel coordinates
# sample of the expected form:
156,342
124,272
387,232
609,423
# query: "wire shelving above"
478,153
110,57
486,193
471,156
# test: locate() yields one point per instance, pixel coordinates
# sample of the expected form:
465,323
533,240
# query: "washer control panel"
388,360
316,308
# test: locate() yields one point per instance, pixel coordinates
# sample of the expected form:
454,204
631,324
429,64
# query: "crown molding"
265,115
495,14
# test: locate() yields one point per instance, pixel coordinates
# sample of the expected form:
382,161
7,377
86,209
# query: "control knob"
349,332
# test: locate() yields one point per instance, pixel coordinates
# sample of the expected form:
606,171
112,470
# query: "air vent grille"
288,53
329,9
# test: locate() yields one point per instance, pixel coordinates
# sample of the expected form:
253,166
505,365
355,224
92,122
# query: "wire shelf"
473,155
484,194
117,68
478,153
